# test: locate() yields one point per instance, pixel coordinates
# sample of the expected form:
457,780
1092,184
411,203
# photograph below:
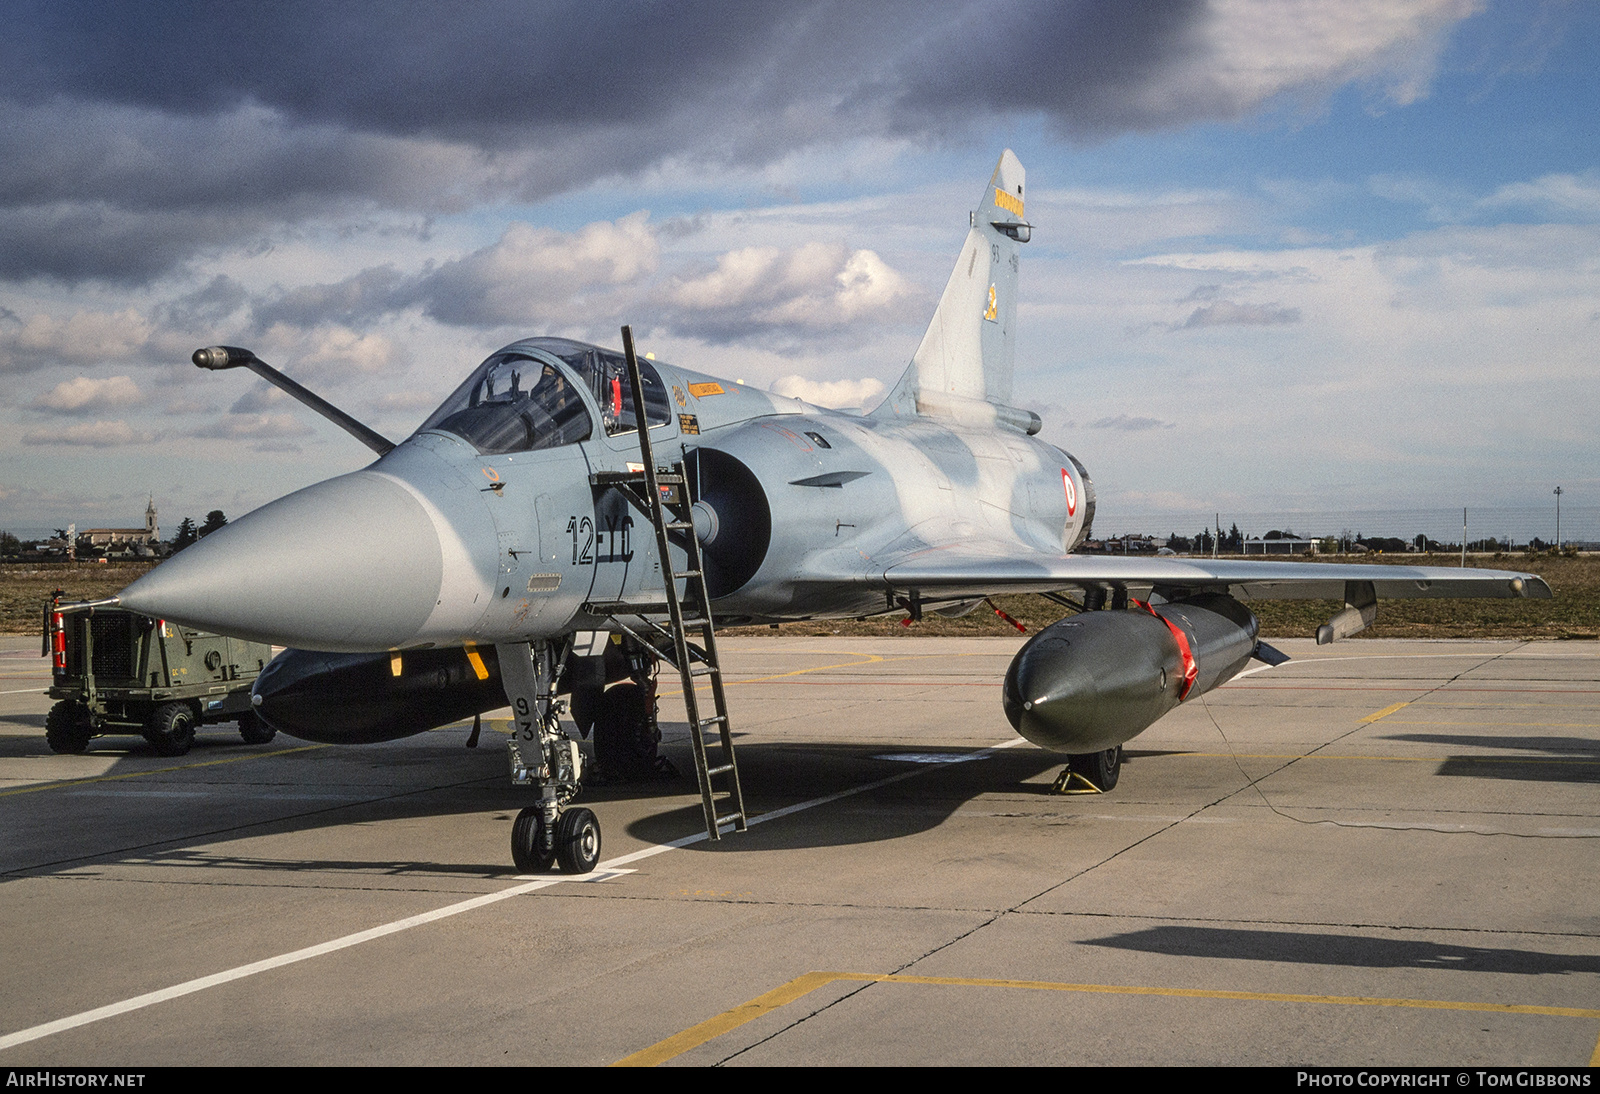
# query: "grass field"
1573,613
24,587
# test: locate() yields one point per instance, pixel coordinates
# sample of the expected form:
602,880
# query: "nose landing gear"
553,767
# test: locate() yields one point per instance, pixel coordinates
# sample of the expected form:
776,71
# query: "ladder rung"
687,573
721,769
702,670
730,818
680,525
713,720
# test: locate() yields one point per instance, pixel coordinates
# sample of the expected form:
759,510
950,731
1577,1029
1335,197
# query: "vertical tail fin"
962,369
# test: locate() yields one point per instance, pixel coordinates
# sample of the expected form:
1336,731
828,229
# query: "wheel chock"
1071,782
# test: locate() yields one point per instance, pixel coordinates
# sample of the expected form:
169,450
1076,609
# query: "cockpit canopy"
521,399
514,403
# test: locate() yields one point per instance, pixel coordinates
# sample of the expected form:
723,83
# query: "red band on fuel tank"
1191,669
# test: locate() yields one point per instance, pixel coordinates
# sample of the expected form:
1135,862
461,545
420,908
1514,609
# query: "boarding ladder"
662,494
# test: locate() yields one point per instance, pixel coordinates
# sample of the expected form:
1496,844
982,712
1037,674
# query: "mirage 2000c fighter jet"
530,542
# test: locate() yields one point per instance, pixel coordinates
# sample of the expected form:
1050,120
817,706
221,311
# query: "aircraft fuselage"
441,543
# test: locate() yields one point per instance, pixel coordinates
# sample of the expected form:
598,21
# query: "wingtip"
1535,587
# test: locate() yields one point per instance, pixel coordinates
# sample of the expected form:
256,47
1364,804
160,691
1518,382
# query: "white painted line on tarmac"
799,807
189,987
1338,658
604,872
98,793
923,757
27,691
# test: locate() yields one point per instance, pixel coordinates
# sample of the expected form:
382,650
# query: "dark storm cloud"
462,71
136,136
512,73
96,190
206,306
1085,67
358,299
71,241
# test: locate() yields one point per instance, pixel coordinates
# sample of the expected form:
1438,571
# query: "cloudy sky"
1288,256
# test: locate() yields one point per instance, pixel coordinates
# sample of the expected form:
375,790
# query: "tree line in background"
1346,542
188,532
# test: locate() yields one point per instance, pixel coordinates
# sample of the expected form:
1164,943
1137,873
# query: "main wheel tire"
67,727
1102,768
578,841
625,734
253,730
170,729
526,831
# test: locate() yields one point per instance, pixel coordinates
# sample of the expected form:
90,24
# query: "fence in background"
1580,524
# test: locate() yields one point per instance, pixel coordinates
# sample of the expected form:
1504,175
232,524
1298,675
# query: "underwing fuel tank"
1095,680
363,698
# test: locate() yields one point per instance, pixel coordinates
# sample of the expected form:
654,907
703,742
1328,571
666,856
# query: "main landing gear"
549,762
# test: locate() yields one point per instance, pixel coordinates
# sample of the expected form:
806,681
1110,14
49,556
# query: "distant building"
112,538
1287,545
1121,545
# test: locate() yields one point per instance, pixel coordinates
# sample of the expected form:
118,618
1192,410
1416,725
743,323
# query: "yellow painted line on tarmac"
868,659
712,1028
871,659
729,1020
1385,712
68,783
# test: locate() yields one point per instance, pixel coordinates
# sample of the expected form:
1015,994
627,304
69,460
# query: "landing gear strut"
549,762
627,738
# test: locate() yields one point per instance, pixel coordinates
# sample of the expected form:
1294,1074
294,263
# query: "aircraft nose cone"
350,564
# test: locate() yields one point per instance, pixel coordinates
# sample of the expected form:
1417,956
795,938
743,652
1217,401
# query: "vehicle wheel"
578,841
254,730
1101,768
625,734
526,831
67,727
171,729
